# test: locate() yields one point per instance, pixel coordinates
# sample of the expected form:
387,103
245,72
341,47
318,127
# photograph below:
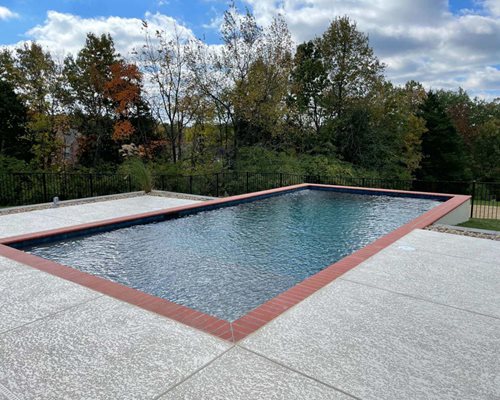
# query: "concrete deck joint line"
418,298
7,393
192,374
19,327
299,372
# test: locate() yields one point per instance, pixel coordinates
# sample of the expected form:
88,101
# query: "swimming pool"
227,261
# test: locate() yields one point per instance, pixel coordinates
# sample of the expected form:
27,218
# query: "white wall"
457,216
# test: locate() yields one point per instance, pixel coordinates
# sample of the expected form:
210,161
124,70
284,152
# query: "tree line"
255,102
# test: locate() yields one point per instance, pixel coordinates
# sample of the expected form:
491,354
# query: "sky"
440,43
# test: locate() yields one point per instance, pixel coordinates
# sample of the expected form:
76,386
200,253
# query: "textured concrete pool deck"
420,319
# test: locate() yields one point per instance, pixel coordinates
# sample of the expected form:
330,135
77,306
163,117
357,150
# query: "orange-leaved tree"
124,90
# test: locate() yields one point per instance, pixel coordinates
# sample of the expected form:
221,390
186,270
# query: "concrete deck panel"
58,217
27,294
240,374
103,349
475,249
446,279
375,344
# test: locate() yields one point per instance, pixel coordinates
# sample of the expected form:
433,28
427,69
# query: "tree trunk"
174,151
179,145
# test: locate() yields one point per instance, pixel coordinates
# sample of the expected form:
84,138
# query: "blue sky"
440,43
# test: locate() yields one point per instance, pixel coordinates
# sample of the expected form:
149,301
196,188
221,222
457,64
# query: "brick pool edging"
258,317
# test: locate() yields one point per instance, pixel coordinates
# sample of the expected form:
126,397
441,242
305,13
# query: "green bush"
10,164
259,159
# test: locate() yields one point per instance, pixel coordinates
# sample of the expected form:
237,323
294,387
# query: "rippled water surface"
228,261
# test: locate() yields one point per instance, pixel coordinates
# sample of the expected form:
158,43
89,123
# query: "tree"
308,86
443,149
246,79
12,124
391,141
351,66
476,120
214,85
259,97
222,75
332,78
87,76
486,151
39,80
358,142
462,111
124,91
133,124
8,72
174,99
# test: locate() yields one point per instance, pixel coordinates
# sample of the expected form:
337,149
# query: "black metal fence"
32,188
40,187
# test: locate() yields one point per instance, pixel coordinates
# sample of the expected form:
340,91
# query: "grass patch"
489,224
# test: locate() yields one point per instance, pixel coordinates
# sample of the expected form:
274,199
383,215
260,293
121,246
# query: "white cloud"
65,33
6,14
215,23
493,6
419,40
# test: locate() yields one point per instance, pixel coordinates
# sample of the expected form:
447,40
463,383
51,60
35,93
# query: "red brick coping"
258,317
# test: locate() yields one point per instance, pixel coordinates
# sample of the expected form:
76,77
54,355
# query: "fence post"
63,188
191,184
129,183
217,184
363,182
281,179
473,194
44,181
162,182
91,181
247,184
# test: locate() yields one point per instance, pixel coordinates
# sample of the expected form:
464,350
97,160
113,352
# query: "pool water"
227,261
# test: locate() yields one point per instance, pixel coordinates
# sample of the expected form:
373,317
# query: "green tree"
37,78
7,69
12,124
486,151
259,98
443,149
39,81
309,82
352,67
352,72
242,38
391,143
245,79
